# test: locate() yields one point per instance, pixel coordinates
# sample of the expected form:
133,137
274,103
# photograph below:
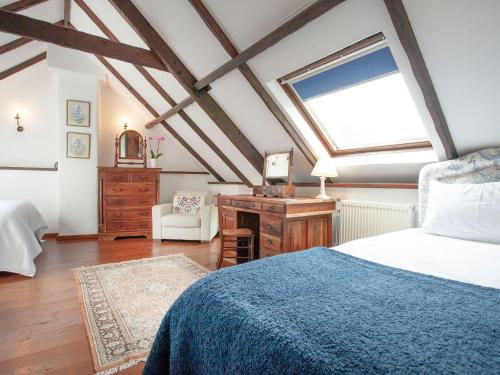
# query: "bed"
21,230
402,302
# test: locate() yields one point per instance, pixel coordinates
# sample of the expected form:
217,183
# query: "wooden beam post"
67,37
20,5
409,42
172,111
155,42
309,14
252,79
25,64
166,96
67,12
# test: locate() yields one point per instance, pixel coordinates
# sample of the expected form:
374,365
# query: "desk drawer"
247,204
118,226
277,208
138,200
270,242
128,213
270,225
266,252
125,189
225,201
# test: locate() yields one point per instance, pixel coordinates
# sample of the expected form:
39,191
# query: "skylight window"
358,103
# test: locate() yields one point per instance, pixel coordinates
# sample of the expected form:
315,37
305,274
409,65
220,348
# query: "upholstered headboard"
478,167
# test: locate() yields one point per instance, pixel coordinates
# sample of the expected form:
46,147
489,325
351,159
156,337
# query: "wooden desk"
281,224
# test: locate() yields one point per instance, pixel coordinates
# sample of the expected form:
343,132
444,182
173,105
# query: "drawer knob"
269,242
268,226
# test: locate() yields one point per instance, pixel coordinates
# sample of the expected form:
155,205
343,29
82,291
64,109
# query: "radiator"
365,219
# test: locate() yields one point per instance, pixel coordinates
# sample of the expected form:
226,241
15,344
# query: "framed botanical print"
78,145
78,113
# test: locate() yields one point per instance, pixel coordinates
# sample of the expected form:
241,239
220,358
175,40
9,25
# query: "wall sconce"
18,122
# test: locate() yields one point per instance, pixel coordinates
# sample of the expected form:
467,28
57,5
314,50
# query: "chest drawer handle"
269,226
145,190
269,242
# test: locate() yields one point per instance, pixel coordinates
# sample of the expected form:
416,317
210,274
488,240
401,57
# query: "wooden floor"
41,326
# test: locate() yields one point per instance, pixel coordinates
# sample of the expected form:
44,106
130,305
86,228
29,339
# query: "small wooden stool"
233,241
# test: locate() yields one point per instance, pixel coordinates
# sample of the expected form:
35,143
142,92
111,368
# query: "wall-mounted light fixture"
18,122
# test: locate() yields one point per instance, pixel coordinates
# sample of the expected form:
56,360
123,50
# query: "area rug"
124,303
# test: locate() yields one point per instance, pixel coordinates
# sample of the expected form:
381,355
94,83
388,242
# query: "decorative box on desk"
281,224
126,196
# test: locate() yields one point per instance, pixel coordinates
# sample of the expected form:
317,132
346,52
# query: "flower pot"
153,163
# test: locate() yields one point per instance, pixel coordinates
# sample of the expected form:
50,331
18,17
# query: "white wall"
78,187
368,195
116,110
35,103
37,145
460,42
170,183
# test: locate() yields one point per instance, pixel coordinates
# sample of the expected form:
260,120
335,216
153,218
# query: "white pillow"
465,211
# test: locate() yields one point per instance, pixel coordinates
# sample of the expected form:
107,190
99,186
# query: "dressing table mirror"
130,147
277,169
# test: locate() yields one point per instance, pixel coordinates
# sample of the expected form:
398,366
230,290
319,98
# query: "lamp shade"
325,167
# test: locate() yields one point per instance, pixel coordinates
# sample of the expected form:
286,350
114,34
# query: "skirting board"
75,237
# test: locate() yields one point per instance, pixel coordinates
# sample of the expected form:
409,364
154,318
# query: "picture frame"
78,113
78,145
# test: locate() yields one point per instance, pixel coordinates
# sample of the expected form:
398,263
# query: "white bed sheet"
413,250
21,229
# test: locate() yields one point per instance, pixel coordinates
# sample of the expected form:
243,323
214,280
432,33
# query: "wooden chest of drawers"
126,196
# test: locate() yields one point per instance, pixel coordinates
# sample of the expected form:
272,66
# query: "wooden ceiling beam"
408,40
67,37
20,5
309,14
143,101
155,42
106,31
172,111
16,43
252,79
25,64
67,12
19,42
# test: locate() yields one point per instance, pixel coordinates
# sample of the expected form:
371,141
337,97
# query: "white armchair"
199,226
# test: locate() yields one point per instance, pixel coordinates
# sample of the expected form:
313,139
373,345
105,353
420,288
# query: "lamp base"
322,191
322,196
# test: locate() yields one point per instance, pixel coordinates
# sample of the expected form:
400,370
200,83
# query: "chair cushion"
187,204
181,221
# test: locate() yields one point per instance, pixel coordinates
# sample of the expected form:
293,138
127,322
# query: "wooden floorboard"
41,325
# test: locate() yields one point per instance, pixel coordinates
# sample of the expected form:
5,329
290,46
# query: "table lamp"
324,168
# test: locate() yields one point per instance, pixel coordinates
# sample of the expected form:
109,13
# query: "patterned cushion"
187,204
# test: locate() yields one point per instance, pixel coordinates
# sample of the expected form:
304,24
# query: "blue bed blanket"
323,312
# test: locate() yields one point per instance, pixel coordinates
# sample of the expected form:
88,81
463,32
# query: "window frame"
311,122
